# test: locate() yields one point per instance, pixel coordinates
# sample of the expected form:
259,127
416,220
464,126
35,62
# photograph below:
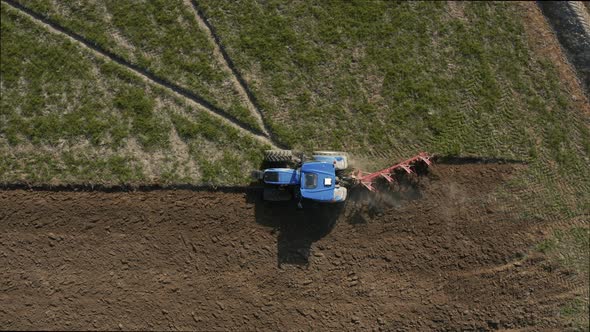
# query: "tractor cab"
318,182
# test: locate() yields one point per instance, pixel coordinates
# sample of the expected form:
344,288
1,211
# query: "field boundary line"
142,73
223,58
127,188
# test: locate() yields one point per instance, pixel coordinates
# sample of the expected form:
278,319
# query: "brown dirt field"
441,256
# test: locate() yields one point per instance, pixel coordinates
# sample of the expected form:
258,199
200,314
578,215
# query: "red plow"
409,165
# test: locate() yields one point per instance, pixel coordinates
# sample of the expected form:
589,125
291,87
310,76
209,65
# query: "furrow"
223,58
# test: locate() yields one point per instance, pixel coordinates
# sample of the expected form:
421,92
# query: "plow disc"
409,165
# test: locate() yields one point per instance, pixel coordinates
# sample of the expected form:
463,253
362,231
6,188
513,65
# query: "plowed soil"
438,254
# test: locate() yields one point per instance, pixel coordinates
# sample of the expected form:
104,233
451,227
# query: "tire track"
494,269
580,221
223,58
144,74
569,22
582,15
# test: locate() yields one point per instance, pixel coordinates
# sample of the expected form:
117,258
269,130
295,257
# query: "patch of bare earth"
437,254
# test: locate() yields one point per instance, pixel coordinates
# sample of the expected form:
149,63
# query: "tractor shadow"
296,229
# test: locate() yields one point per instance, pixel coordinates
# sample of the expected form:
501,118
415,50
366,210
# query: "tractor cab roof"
318,180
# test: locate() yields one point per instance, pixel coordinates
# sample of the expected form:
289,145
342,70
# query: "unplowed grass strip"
224,59
142,73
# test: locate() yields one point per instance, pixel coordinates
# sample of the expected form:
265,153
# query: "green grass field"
69,117
159,36
571,248
393,76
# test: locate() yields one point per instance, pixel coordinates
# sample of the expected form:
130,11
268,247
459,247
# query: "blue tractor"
287,176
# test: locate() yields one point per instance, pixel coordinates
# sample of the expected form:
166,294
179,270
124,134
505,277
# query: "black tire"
276,195
277,156
257,175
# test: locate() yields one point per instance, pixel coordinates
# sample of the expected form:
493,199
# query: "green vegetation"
397,76
49,90
576,313
69,117
161,36
571,248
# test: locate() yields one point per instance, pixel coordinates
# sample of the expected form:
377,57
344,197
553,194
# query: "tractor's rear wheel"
277,156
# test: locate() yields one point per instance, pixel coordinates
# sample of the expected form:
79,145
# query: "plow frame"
367,179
